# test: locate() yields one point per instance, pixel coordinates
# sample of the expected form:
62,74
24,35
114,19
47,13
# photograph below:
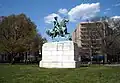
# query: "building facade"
88,36
1,18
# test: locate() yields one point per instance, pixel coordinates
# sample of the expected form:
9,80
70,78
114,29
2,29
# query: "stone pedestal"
63,54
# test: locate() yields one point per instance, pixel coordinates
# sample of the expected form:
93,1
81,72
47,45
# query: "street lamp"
91,57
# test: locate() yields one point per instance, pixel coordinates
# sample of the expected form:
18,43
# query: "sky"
42,12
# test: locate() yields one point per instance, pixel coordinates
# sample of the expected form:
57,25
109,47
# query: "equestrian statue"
59,30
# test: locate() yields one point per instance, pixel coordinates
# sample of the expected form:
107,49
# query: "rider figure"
65,21
56,25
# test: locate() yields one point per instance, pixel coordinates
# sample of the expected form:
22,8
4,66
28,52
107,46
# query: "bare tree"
110,37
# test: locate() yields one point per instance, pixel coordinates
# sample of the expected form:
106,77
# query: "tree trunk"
13,57
26,57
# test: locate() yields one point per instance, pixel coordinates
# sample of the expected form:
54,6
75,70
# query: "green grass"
34,74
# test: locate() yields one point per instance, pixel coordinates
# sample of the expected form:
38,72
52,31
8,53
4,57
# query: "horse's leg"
66,31
61,33
69,37
52,38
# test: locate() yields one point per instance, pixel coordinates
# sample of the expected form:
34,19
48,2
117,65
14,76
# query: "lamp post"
91,53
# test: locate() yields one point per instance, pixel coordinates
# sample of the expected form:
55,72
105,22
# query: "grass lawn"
34,74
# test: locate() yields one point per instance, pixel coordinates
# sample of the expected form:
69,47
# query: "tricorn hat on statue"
55,18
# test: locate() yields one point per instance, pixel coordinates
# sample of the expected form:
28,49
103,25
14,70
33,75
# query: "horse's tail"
48,32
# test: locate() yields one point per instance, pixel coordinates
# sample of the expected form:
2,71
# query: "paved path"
112,65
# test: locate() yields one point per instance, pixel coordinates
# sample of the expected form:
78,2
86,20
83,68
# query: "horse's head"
51,33
66,20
